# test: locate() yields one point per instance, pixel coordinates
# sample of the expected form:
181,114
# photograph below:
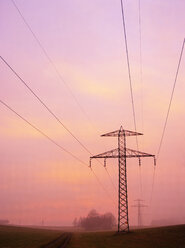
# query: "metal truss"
122,153
139,206
130,153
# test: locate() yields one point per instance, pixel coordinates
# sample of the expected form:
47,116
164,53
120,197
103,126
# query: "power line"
129,71
57,72
53,141
49,110
49,59
153,181
141,63
41,101
171,98
98,180
60,77
111,179
41,132
141,83
140,181
44,104
130,78
166,119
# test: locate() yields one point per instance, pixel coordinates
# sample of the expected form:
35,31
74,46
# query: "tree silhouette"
95,221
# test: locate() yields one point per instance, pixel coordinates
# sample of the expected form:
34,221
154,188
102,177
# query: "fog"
41,184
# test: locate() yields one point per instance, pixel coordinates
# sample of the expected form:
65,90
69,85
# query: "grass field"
163,237
21,237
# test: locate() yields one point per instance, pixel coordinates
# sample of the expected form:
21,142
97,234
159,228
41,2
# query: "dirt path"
61,242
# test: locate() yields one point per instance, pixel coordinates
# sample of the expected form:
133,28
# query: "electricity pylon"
122,153
139,206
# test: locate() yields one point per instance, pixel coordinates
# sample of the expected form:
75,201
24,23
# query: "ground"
162,237
21,237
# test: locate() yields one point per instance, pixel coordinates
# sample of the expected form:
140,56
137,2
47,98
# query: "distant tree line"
96,221
4,222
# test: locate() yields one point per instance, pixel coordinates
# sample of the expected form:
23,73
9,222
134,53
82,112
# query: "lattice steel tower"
122,153
139,206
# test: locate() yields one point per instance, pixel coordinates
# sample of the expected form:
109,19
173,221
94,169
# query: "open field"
22,237
161,237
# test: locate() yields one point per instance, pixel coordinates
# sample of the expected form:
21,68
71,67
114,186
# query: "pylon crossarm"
120,132
130,153
110,154
138,154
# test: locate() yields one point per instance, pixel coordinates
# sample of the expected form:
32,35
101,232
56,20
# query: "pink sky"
85,41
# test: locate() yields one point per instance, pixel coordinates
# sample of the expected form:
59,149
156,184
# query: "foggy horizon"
41,183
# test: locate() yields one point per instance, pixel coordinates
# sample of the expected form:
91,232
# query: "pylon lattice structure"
139,206
122,153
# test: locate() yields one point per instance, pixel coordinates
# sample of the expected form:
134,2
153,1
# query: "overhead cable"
141,83
129,71
54,67
171,98
54,142
44,104
41,132
49,59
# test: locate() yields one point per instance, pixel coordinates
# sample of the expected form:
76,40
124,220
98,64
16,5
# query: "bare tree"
95,221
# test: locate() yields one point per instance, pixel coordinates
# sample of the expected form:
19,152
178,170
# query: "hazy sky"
85,42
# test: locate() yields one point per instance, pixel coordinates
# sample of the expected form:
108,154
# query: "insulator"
154,161
139,162
90,163
105,162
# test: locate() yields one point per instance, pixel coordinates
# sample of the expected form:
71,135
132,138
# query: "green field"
163,237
